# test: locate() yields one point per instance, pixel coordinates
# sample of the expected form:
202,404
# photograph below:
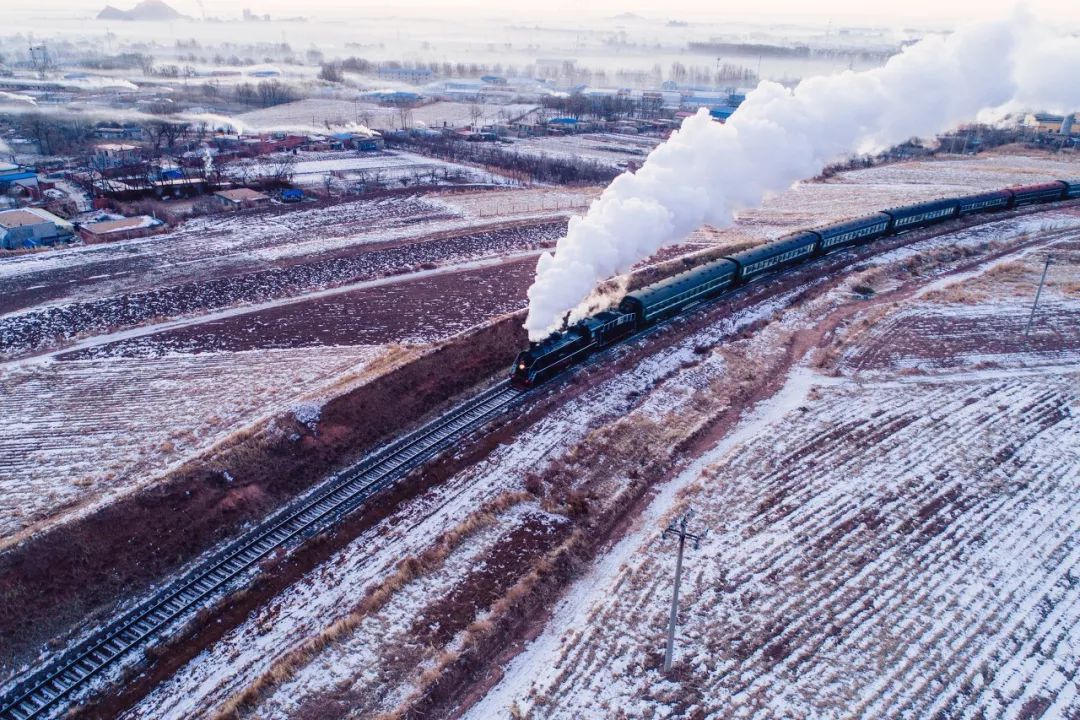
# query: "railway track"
45,692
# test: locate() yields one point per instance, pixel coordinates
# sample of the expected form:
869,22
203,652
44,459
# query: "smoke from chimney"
707,171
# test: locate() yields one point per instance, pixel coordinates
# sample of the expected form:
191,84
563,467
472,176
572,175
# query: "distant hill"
145,10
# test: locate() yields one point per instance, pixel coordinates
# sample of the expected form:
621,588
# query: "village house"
114,155
120,229
241,198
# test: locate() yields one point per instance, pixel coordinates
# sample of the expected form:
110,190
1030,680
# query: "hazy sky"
889,11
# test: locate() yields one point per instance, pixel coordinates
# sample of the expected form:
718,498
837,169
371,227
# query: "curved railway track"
45,691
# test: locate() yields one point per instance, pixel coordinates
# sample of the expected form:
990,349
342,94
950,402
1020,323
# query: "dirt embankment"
76,573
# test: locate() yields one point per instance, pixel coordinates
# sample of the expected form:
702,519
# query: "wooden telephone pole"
677,528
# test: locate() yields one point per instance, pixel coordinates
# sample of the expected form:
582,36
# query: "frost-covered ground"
382,168
90,430
201,300
611,149
989,171
314,114
221,304
143,362
883,549
859,192
839,486
894,534
232,244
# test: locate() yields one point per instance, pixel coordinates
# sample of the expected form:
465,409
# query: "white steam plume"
16,97
708,171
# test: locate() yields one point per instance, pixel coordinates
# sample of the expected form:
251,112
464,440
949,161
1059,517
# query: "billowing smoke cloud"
99,83
88,82
16,98
224,123
707,171
359,129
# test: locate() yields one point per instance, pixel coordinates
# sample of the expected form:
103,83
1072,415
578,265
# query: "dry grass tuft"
958,294
406,571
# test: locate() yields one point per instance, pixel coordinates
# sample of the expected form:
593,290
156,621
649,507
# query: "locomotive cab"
546,358
519,374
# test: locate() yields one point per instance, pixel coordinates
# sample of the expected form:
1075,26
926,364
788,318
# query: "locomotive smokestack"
706,172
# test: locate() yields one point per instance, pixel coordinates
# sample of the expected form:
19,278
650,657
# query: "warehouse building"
120,229
413,76
32,227
1054,124
17,180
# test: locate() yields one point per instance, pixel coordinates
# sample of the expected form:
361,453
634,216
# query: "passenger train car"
671,296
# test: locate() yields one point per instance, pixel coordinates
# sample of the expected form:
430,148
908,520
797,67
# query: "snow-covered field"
315,114
866,557
127,326
109,300
612,149
227,242
901,540
383,168
989,171
91,430
887,540
112,417
859,192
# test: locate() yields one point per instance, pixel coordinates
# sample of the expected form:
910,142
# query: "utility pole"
1038,293
677,528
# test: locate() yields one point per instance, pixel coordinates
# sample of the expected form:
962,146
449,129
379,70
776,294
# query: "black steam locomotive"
671,296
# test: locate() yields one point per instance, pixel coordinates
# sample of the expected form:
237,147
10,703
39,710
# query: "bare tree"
53,134
475,113
245,93
404,114
241,172
166,132
274,92
279,169
331,72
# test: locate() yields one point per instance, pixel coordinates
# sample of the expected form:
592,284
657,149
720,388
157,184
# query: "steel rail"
321,508
41,693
